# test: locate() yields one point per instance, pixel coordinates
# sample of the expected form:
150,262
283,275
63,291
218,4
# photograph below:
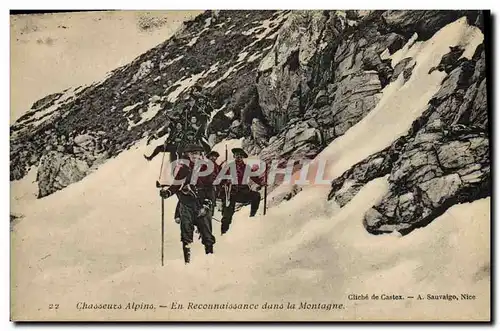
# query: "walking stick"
265,192
158,185
162,228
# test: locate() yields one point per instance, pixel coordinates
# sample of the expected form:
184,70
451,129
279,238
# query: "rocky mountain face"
218,50
443,160
288,83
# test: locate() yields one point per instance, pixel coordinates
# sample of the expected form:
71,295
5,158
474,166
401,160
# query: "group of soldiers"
197,198
196,112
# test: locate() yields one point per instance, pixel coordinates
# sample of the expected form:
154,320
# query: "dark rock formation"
425,22
57,170
443,160
132,102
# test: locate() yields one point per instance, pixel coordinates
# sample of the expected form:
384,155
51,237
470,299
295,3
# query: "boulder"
479,110
285,196
479,68
347,192
300,135
57,171
449,85
437,190
260,133
373,219
83,139
404,66
423,22
355,96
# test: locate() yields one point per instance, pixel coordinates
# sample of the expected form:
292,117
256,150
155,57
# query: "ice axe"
158,185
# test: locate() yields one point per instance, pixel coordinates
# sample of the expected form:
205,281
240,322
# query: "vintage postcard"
258,165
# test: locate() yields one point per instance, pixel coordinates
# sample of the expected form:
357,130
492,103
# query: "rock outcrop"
220,52
58,170
443,160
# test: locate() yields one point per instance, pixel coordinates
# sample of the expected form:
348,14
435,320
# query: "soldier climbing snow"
195,199
238,190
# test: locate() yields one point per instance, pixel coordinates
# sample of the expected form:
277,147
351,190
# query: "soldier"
167,128
195,202
171,145
240,191
202,102
212,158
196,133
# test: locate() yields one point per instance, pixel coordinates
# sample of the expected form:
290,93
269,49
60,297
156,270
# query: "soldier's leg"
249,196
173,152
177,215
211,197
204,224
157,150
187,216
254,198
227,216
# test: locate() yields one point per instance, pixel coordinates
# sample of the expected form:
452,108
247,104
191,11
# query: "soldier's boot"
209,249
224,228
187,253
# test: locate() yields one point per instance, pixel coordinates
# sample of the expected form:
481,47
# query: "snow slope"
98,240
100,244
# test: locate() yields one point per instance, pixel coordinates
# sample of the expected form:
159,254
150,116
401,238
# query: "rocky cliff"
443,160
289,83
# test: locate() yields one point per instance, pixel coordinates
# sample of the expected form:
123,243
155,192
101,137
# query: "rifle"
227,189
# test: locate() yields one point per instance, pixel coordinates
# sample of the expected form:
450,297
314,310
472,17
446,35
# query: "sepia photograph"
250,166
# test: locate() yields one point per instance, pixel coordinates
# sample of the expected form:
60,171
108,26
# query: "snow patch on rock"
187,83
144,70
129,108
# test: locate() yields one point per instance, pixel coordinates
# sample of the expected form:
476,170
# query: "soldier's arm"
163,131
207,179
224,182
259,180
180,174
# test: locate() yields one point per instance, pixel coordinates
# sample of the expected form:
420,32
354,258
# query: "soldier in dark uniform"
192,129
240,191
202,102
171,145
195,201
212,158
